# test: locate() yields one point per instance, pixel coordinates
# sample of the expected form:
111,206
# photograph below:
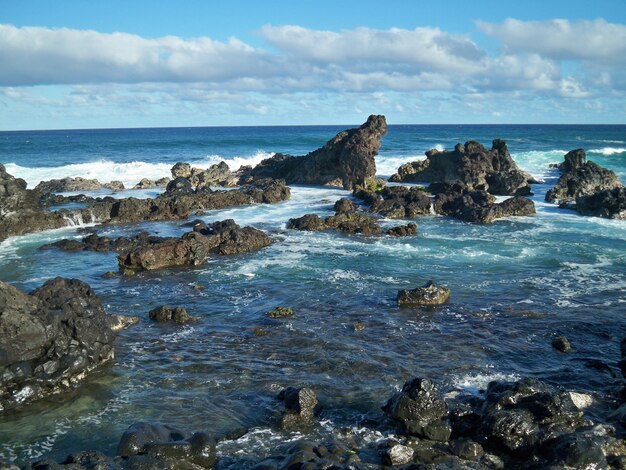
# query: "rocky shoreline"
54,337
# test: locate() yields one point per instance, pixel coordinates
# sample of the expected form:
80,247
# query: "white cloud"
591,40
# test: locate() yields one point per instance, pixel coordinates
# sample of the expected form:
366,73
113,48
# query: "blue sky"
83,64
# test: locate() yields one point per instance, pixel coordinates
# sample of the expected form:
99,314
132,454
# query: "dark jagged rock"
300,406
455,199
193,248
581,178
68,184
146,183
306,454
610,204
428,295
180,186
153,445
216,175
50,340
167,314
399,202
421,410
492,170
347,158
93,242
349,222
344,205
22,210
561,343
280,312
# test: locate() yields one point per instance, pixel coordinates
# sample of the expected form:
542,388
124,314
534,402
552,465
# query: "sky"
93,64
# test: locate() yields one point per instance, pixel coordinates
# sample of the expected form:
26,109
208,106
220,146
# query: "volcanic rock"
50,340
68,184
348,157
166,314
610,204
300,406
428,295
193,248
492,170
581,178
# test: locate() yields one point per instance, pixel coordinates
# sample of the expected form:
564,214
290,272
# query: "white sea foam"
608,150
129,173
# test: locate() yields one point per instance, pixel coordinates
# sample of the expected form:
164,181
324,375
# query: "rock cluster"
76,184
193,248
216,175
492,170
398,202
581,178
346,160
167,314
50,339
146,183
347,220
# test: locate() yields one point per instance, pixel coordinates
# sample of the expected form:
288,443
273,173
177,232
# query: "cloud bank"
556,59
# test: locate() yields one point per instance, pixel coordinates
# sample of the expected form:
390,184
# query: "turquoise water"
515,284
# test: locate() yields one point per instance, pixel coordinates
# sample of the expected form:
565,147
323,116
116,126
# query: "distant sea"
515,285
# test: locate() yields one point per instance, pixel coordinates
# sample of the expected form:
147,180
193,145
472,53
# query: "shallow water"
515,284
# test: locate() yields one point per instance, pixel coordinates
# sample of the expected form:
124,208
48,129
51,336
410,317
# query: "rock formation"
216,175
610,204
50,339
347,159
427,296
492,170
193,248
76,184
581,178
349,222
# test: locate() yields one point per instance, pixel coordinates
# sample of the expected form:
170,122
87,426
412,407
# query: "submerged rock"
50,339
193,248
347,158
166,314
428,295
153,445
561,343
280,312
581,178
480,169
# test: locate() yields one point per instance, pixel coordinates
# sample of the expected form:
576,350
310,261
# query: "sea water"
515,285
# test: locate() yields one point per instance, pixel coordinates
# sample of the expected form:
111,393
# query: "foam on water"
129,173
608,150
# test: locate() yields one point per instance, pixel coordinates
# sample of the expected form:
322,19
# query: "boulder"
428,295
146,183
581,178
193,248
300,406
179,185
50,339
455,199
69,184
610,204
160,446
281,312
561,343
344,205
348,158
492,170
167,314
398,454
216,175
421,410
399,202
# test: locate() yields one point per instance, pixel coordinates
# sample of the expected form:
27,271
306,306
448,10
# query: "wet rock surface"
581,178
76,184
428,295
492,170
50,339
350,223
216,175
610,204
167,314
346,159
193,248
22,210
300,406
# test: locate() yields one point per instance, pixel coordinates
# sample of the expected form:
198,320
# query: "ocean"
515,285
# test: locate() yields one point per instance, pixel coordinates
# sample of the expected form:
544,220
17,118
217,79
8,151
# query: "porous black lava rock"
300,404
344,205
610,204
347,159
421,410
50,340
349,222
399,202
76,184
581,178
480,169
193,248
167,314
430,294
